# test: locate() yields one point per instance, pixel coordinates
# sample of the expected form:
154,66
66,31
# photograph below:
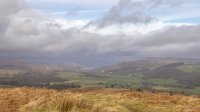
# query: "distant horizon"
89,65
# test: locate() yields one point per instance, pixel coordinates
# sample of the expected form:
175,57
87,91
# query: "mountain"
186,72
145,65
12,64
134,66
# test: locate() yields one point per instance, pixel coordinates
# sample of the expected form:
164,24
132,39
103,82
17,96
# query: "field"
102,80
94,100
126,81
190,68
162,81
64,80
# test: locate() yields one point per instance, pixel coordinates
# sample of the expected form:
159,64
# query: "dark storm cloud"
132,12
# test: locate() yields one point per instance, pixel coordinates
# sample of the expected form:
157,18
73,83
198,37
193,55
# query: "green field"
99,80
64,79
190,68
162,81
121,81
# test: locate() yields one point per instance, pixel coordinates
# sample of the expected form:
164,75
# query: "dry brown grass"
93,100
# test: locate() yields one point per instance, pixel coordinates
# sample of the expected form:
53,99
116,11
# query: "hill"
145,64
131,66
185,71
94,100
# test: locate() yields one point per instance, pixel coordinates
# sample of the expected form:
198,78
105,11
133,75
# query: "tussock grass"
94,100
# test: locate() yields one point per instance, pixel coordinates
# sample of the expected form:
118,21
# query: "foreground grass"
93,100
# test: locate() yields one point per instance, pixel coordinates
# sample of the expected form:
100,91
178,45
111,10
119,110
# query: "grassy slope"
134,81
163,81
88,81
190,68
93,100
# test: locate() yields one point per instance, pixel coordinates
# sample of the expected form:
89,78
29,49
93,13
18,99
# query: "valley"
169,75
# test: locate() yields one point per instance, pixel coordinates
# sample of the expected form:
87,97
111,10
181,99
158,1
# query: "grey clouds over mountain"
25,33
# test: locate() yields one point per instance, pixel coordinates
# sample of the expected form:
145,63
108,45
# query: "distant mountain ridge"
185,71
145,64
13,64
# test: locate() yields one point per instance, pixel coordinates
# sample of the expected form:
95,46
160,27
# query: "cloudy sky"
95,33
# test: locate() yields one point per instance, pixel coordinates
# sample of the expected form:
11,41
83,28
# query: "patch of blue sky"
185,20
80,14
66,6
70,10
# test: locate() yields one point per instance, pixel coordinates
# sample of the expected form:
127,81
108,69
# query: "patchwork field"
126,81
94,100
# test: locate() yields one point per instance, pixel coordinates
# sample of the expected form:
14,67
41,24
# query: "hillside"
16,67
186,72
144,65
131,66
94,100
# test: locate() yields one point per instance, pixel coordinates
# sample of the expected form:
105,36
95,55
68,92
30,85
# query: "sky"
95,33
